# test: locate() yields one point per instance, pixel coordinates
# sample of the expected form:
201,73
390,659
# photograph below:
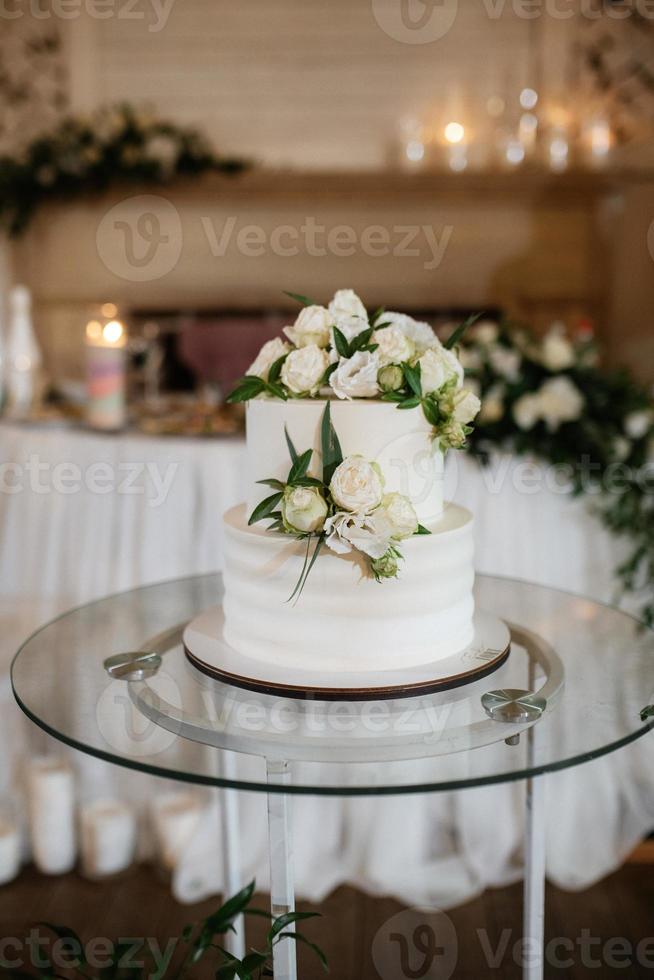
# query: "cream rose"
304,509
304,369
465,406
345,304
506,362
311,327
417,331
357,485
356,377
397,514
394,346
437,367
271,351
526,412
638,424
492,406
486,332
557,353
346,531
560,401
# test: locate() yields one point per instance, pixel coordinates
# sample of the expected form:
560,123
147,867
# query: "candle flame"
113,331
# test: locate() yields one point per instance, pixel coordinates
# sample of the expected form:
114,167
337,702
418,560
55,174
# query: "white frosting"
344,620
400,441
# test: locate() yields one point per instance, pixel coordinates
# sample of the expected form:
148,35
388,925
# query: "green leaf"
647,713
332,454
431,411
413,378
299,583
288,919
456,336
304,300
328,373
274,484
222,920
340,340
248,387
276,369
277,390
291,448
265,508
382,326
312,946
309,481
300,466
361,340
376,315
422,529
393,396
409,403
319,544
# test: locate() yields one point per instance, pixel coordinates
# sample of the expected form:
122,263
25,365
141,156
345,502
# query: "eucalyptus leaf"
265,508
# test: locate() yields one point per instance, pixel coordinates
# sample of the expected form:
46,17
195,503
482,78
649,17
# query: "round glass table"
111,679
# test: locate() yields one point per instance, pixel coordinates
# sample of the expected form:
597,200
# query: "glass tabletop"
591,666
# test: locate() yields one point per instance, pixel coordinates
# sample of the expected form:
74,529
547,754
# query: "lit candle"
106,374
107,838
51,793
455,137
598,141
10,850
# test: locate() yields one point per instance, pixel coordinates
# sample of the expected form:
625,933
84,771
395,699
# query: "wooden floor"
356,930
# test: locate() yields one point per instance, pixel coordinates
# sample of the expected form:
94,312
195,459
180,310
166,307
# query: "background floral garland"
89,154
550,398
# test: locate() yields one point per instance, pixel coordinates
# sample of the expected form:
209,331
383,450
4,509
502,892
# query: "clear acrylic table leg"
231,849
534,883
282,892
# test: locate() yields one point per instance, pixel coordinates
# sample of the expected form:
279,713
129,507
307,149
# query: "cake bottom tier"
345,620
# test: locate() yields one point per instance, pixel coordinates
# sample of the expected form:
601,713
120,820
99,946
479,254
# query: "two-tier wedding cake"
345,557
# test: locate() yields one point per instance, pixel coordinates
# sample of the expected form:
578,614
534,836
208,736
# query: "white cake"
344,619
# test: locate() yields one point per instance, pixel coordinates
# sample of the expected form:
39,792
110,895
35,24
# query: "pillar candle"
107,838
106,366
51,795
175,818
10,850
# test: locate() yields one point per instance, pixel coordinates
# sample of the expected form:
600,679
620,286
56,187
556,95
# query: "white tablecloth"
83,515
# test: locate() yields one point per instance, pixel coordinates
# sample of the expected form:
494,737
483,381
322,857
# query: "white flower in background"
638,424
304,369
271,351
437,367
357,485
356,377
526,411
492,406
557,353
347,531
486,332
621,448
506,362
560,401
350,327
394,346
312,326
304,509
471,359
345,304
420,333
465,406
164,149
397,514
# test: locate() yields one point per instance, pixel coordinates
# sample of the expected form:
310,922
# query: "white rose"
271,351
638,424
437,367
357,485
394,346
356,377
557,353
471,359
304,509
346,531
621,448
304,369
526,411
492,406
397,514
346,303
560,401
418,331
486,332
311,327
506,362
465,406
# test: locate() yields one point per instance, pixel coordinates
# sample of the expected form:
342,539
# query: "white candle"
107,838
106,365
51,794
175,818
10,850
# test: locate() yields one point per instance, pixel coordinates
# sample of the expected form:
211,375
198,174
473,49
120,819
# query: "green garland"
551,399
87,155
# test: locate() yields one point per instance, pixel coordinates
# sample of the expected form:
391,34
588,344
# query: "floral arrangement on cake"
88,154
341,351
344,508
